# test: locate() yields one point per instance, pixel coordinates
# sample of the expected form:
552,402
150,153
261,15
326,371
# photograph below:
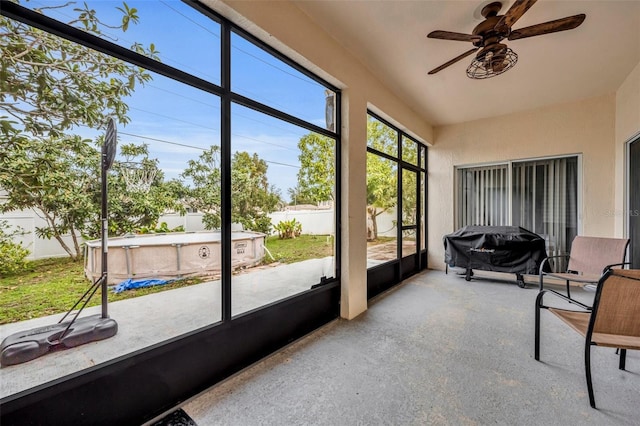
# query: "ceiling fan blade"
563,24
453,61
517,9
448,35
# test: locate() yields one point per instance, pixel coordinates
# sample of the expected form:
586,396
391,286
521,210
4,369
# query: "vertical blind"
545,198
540,195
483,196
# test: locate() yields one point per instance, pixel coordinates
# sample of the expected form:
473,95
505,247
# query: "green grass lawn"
298,249
51,286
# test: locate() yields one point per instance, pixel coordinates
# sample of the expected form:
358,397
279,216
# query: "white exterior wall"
627,127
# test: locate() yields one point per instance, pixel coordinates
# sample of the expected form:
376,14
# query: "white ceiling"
390,39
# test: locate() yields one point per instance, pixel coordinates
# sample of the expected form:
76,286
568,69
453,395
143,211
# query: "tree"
48,88
410,196
382,174
204,174
316,177
57,177
317,172
252,198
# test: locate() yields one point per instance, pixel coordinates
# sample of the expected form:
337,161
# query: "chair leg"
587,368
537,327
623,358
568,291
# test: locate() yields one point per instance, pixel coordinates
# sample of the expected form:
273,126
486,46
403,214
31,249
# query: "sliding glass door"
539,195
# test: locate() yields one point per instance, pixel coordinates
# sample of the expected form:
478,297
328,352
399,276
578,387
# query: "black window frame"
384,276
152,371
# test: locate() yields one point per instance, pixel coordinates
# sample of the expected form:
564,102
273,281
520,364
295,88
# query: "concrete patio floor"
436,350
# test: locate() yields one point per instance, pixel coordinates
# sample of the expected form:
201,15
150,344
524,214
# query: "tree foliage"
409,182
55,176
131,209
204,174
50,87
252,198
382,183
382,174
13,256
316,177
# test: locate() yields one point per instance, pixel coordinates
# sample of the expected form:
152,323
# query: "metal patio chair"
613,321
589,259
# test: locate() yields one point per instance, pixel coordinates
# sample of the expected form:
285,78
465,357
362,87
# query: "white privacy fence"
314,222
27,223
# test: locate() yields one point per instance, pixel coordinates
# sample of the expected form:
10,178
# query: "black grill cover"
495,248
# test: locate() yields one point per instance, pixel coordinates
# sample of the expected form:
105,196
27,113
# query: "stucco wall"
586,127
627,126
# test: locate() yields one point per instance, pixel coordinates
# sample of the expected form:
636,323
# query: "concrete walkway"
435,351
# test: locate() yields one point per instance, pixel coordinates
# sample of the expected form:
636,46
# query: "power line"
264,142
191,20
197,147
163,141
282,164
175,119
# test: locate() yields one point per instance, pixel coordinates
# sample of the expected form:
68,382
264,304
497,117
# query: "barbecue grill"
510,249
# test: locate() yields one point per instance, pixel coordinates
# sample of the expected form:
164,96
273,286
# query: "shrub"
289,229
13,257
262,224
162,229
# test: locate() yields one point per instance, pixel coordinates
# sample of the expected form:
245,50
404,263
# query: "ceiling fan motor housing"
487,29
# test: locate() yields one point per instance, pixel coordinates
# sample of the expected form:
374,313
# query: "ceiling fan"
494,58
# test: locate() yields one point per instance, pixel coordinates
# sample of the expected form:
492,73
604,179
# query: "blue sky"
178,121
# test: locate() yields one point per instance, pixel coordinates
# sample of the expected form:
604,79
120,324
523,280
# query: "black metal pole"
104,230
225,178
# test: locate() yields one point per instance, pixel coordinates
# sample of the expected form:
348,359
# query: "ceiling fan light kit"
494,58
492,64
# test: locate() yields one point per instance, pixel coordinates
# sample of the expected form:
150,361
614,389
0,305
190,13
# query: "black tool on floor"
177,418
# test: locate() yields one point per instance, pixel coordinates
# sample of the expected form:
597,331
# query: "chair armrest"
546,261
606,268
562,296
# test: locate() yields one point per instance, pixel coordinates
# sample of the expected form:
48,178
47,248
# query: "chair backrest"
618,304
590,255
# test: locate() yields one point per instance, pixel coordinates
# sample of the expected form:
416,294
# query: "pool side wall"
156,256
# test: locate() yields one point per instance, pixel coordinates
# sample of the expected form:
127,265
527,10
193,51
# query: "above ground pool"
172,255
